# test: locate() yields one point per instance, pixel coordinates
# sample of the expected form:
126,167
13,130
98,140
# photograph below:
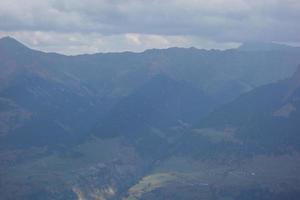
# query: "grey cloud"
214,20
78,43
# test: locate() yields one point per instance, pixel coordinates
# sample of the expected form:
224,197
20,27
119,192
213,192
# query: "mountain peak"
11,43
7,38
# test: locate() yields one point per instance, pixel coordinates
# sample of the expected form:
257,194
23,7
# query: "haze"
76,27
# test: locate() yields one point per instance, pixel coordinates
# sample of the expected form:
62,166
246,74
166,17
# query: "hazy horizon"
143,50
131,25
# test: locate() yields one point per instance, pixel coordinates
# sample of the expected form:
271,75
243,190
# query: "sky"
89,26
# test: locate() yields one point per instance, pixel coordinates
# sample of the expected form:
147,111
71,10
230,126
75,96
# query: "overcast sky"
87,26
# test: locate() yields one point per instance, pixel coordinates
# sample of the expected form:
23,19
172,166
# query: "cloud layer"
115,25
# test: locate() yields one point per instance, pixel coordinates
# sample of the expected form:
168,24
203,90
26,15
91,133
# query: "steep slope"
38,105
160,103
248,149
265,119
55,114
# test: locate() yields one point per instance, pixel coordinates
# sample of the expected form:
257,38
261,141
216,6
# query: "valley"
162,124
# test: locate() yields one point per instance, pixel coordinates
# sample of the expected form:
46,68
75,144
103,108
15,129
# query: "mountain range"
177,123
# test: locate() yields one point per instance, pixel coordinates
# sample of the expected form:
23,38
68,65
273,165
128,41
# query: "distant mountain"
261,46
162,124
12,45
213,71
48,81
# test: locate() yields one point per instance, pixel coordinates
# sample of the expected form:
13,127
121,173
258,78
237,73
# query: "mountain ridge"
170,124
8,41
